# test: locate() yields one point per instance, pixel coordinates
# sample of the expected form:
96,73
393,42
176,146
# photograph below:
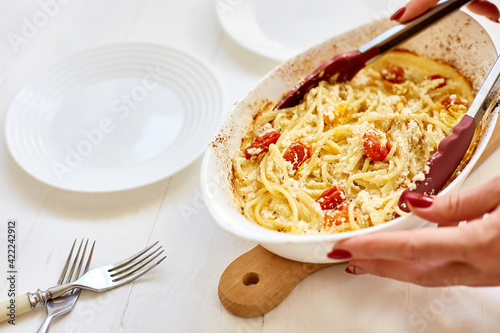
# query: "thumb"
484,8
413,9
455,207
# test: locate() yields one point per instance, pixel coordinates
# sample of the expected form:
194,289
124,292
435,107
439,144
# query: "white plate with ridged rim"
280,29
114,117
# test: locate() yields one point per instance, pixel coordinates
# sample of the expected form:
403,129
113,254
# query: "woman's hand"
468,254
415,8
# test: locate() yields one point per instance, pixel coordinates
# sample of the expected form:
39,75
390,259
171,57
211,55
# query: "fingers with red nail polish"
464,255
339,254
355,270
397,15
415,8
419,200
486,9
456,207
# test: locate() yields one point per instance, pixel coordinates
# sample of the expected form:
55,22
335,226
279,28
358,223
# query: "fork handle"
12,307
42,296
45,325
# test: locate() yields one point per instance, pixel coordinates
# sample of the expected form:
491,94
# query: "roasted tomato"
337,216
448,101
393,73
260,144
297,153
437,76
331,198
376,144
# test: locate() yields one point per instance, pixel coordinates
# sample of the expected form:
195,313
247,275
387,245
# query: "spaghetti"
340,160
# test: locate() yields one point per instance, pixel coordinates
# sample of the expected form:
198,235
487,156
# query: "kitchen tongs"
346,65
451,150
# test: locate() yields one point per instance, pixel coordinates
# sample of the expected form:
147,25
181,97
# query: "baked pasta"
340,160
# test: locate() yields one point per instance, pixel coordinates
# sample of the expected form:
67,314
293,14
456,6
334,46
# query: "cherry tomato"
376,144
337,216
448,101
297,154
437,76
393,73
331,198
261,143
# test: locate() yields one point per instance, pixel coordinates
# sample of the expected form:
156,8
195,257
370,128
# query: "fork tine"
132,258
124,280
66,265
75,261
89,259
77,273
132,263
126,271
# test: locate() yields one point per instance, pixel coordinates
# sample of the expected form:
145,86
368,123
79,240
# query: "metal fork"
106,277
66,302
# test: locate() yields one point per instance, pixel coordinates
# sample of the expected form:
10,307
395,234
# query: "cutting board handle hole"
250,279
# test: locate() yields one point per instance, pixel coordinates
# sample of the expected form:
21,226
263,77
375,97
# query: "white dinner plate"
114,117
280,29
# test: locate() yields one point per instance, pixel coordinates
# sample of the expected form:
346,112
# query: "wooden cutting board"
257,281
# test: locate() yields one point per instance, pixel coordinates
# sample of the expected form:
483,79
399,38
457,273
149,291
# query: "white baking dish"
457,40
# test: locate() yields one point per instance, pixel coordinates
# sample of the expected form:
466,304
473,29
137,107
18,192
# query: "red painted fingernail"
494,19
419,200
397,15
355,270
339,254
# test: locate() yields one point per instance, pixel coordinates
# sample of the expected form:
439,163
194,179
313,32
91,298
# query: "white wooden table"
181,294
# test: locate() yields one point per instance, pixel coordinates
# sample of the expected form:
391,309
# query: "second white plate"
280,29
114,117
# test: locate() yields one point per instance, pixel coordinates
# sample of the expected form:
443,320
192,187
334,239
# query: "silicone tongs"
347,64
451,150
